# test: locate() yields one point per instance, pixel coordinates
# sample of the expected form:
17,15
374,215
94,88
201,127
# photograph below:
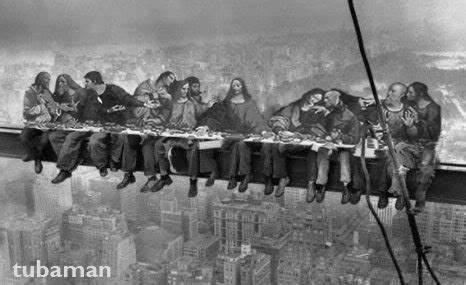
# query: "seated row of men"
165,102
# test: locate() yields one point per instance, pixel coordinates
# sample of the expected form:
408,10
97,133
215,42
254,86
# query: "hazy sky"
41,22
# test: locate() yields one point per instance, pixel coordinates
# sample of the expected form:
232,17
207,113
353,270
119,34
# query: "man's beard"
61,90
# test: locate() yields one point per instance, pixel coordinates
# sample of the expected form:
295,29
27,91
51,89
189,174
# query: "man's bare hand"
409,118
319,109
201,131
156,121
267,134
335,134
154,104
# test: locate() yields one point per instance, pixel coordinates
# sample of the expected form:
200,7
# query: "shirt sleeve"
353,134
430,127
214,118
126,99
30,108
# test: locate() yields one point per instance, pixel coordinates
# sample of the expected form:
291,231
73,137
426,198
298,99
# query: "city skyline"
240,237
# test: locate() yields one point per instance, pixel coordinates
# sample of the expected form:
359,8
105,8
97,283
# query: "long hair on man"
307,96
421,90
244,90
39,81
177,89
69,82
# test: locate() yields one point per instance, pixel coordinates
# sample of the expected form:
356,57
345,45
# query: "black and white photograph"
232,142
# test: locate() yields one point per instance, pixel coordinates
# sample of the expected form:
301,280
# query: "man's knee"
266,148
323,153
24,138
26,135
344,156
242,145
425,174
159,147
96,140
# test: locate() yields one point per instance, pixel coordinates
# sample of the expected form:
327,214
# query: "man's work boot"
164,180
400,203
243,186
192,188
149,184
356,196
419,207
62,176
383,200
232,183
320,192
103,172
268,189
127,179
38,165
345,195
281,186
113,166
211,180
420,198
27,158
310,192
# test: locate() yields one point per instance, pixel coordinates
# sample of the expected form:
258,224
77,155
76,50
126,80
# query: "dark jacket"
242,118
430,123
344,121
113,95
292,118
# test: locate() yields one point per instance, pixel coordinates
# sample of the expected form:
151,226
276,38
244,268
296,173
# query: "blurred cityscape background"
219,237
223,237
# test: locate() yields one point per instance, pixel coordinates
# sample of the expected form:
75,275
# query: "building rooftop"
201,240
102,211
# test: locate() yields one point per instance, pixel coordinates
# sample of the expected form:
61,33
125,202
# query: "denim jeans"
323,165
131,144
105,146
275,159
67,146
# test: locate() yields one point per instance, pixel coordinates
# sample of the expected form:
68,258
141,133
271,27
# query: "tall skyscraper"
272,243
243,267
255,269
294,196
448,223
311,229
291,271
129,202
237,221
118,252
385,215
202,248
89,225
30,239
50,199
181,222
156,245
153,207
